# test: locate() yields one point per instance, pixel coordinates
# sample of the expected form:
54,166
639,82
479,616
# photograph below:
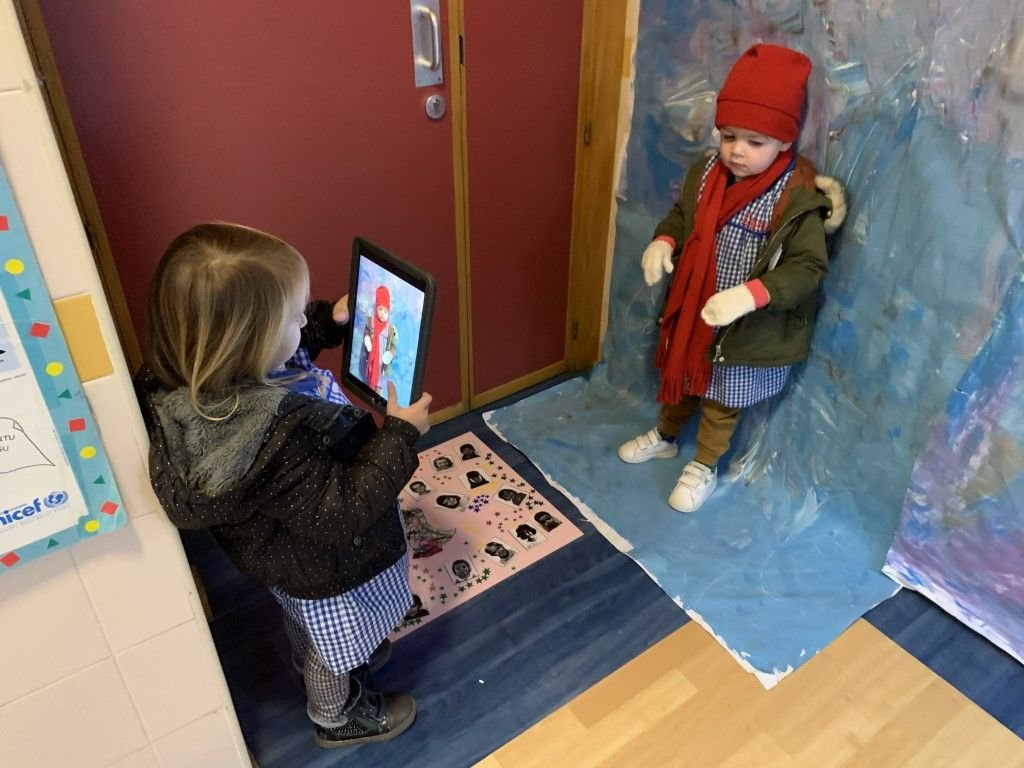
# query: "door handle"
433,61
426,42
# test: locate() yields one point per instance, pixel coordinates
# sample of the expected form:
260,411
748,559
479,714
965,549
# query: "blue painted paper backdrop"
961,534
915,108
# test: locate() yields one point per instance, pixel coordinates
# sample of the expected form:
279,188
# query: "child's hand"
341,310
368,343
733,303
656,261
387,357
417,414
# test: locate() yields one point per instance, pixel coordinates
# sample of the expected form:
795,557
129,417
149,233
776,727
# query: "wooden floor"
863,701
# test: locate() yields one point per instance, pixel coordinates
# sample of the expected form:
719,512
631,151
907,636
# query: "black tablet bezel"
415,277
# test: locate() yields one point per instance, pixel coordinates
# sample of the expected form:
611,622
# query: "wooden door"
522,66
300,119
307,124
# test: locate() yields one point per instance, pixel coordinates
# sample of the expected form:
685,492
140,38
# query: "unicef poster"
56,486
40,494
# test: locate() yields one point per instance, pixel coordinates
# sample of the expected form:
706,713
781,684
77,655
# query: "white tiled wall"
123,446
108,661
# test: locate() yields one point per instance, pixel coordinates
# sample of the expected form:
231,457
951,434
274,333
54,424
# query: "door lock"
436,106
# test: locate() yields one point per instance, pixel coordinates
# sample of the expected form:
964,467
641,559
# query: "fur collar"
211,456
836,193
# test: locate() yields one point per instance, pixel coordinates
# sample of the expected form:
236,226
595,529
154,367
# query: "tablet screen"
390,303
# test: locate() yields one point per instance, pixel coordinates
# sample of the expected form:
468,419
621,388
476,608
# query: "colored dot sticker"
14,266
54,369
87,452
92,526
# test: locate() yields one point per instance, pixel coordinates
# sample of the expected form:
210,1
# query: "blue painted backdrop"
915,107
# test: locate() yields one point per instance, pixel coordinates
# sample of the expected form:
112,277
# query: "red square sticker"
108,508
9,559
39,330
76,425
4,225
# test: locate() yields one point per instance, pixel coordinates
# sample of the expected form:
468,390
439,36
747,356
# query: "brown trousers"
717,424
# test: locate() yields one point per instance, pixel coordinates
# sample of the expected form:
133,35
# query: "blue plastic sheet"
961,535
914,107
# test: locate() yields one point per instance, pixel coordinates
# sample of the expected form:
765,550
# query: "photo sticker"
498,551
474,479
450,500
529,536
468,452
460,571
443,464
418,488
510,496
546,520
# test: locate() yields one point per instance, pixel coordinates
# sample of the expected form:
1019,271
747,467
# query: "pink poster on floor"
471,522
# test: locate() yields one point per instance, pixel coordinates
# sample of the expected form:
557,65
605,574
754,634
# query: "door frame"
602,67
605,71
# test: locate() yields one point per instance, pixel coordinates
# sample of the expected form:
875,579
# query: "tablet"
391,304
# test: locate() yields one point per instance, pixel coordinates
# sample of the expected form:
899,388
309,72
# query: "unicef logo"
56,499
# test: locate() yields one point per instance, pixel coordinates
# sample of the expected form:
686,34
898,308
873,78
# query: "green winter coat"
791,265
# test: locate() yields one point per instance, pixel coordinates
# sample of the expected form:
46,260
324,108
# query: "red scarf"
682,354
373,357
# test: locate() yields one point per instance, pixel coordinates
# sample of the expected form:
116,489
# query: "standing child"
253,442
748,231
380,339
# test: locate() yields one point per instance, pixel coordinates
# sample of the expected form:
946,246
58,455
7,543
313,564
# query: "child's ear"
785,147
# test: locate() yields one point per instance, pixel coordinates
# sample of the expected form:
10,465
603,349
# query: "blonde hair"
216,310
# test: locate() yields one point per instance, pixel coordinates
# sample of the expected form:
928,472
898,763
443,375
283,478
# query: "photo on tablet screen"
391,304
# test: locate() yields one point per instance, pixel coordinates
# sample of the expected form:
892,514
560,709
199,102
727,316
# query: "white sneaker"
649,445
693,487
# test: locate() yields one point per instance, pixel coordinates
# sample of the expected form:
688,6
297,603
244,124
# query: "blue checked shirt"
346,628
736,249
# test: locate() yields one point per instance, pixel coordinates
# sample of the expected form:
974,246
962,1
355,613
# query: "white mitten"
733,303
656,261
368,343
387,357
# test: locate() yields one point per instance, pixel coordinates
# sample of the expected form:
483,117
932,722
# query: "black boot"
372,716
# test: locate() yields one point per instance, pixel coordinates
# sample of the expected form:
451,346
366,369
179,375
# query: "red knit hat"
765,92
382,297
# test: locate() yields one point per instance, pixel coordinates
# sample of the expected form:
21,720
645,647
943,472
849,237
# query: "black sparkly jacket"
279,483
